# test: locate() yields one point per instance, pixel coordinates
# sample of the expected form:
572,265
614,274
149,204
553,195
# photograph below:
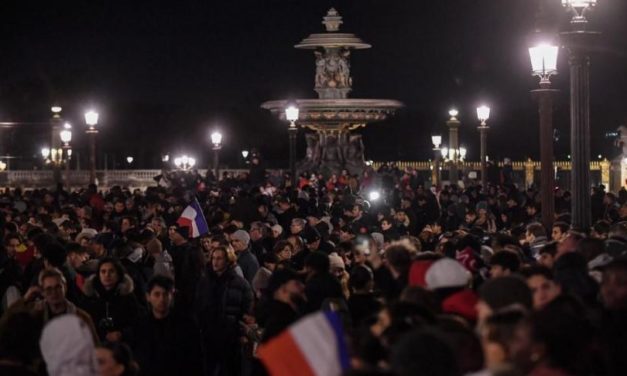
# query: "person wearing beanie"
68,348
240,240
502,293
450,280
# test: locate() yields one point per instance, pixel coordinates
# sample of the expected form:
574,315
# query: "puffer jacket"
221,302
113,310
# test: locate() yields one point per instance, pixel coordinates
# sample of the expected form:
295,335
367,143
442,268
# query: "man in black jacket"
320,285
165,342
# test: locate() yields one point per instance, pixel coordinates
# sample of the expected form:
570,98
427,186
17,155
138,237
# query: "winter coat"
220,304
249,264
119,305
167,347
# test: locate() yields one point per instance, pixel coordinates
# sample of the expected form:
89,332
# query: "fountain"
332,116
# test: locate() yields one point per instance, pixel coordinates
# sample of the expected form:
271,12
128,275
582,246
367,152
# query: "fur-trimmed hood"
125,286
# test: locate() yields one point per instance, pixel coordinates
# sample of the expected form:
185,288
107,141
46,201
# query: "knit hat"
67,347
418,271
242,236
506,291
446,273
336,261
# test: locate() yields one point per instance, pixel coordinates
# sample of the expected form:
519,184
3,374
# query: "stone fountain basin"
340,114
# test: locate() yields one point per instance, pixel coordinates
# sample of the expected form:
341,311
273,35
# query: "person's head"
11,243
317,263
258,230
277,231
53,286
398,258
54,255
127,223
285,286
546,255
569,244
559,231
178,234
534,231
110,272
497,335
284,250
76,255
542,285
503,293
297,225
220,260
614,284
157,224
504,263
116,359
424,352
361,279
119,206
240,240
336,265
600,230
160,294
387,223
312,238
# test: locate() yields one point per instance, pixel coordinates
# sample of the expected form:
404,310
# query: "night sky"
163,74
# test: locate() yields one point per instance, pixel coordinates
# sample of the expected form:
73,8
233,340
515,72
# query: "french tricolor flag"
193,218
313,346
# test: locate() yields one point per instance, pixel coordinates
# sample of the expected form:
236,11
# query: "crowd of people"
427,280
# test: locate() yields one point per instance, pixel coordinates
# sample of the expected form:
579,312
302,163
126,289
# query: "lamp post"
91,119
453,139
544,65
216,140
578,42
436,140
483,114
291,114
66,138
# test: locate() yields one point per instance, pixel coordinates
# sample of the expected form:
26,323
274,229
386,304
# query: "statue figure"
343,73
321,77
332,157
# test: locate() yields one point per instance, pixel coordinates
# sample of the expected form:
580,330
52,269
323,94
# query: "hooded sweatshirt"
67,347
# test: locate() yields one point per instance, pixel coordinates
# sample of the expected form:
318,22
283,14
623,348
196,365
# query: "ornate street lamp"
291,114
579,41
184,162
216,140
544,65
483,114
91,119
436,140
453,138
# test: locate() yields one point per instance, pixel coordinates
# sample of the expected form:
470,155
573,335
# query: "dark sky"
164,73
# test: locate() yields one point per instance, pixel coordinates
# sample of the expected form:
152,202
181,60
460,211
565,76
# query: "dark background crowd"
427,280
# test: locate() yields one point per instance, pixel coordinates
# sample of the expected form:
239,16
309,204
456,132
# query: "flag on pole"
313,346
194,218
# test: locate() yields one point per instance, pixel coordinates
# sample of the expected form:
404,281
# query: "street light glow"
483,113
544,60
216,138
67,125
579,4
444,152
436,140
66,136
91,118
374,195
45,152
129,159
462,152
291,113
453,113
56,109
245,154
